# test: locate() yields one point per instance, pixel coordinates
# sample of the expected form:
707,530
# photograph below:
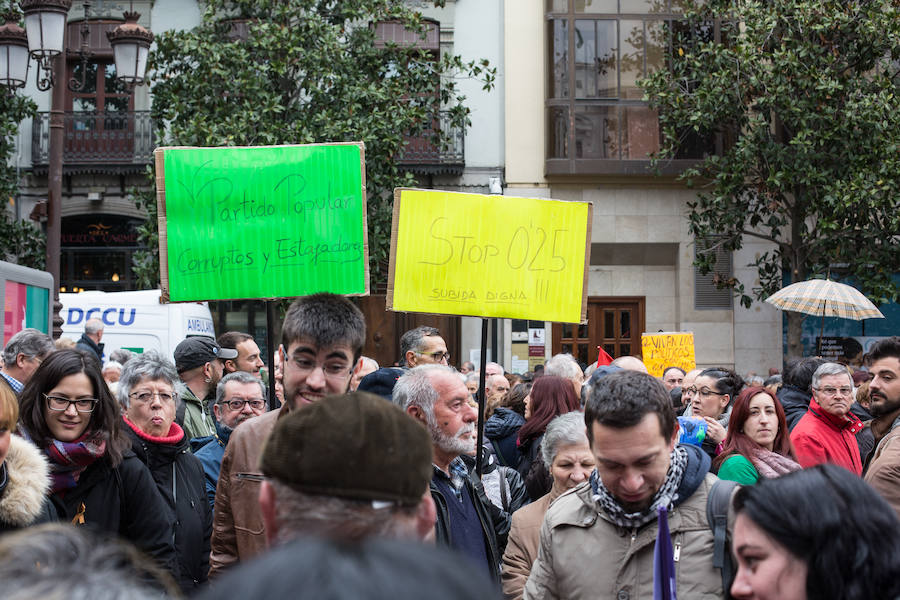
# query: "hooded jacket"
821,437
24,483
197,420
502,429
583,554
180,481
795,403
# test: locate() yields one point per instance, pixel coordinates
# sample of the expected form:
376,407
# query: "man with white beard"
466,520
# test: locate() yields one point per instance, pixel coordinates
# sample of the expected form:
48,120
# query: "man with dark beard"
466,520
239,396
883,472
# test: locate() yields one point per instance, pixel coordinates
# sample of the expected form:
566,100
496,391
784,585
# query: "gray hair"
121,355
111,364
239,377
29,342
565,430
473,376
150,365
55,561
414,388
414,339
498,365
92,326
563,365
346,519
827,369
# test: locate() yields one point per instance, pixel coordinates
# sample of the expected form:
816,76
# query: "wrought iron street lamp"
45,31
13,53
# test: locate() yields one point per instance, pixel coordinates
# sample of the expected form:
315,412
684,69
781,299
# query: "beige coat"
883,473
238,531
522,547
583,555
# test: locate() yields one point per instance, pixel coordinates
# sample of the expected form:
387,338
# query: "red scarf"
175,435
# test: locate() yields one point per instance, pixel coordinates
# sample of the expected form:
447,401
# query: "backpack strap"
498,454
717,517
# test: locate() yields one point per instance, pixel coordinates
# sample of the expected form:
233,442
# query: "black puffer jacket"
502,429
179,478
123,501
795,403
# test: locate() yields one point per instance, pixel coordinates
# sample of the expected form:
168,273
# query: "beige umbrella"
825,298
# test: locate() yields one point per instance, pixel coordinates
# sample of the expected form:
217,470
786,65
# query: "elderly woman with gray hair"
147,394
567,454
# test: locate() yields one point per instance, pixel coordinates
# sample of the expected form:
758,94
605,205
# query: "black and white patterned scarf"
665,496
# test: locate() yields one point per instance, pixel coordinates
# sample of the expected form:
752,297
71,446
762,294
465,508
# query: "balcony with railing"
422,155
100,142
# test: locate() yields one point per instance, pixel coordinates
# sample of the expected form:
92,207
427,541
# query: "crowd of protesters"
148,476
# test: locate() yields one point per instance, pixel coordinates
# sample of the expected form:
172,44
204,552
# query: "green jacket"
197,420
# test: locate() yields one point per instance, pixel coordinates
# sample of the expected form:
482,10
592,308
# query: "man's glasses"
255,404
831,392
82,405
437,356
144,397
331,370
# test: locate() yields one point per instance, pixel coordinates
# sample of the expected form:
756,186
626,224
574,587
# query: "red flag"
603,358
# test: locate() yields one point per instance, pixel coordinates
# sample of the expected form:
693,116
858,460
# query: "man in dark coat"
796,392
90,339
435,396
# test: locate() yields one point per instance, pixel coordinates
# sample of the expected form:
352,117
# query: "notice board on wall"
489,256
262,222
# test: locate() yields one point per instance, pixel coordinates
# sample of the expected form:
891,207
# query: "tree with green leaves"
804,94
261,72
21,241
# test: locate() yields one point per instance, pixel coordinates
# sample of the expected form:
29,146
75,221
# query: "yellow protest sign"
489,256
672,349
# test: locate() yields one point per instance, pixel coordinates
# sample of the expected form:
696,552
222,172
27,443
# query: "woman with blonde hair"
24,474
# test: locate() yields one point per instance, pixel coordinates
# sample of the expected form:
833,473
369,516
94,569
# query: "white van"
135,320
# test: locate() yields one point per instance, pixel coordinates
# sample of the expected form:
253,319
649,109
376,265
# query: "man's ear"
230,367
416,413
20,360
267,508
410,358
216,410
676,432
426,516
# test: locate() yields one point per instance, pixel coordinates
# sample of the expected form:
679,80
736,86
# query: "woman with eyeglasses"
758,443
147,394
712,403
67,411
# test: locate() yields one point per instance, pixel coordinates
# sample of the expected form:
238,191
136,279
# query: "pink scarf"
771,464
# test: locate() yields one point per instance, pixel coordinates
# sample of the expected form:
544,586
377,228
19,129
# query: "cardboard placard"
489,256
668,349
262,222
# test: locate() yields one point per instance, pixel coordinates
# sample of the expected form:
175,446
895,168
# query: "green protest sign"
262,222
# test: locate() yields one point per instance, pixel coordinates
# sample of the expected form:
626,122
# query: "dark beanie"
354,445
381,382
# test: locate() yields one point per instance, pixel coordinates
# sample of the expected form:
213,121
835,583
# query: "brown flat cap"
355,445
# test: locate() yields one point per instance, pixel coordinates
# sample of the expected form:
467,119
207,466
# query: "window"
707,295
599,50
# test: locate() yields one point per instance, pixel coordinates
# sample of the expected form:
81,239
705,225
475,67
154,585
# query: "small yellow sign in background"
489,256
668,349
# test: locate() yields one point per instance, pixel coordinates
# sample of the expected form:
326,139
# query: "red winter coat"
821,437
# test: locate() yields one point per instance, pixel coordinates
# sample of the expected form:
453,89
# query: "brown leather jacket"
238,530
